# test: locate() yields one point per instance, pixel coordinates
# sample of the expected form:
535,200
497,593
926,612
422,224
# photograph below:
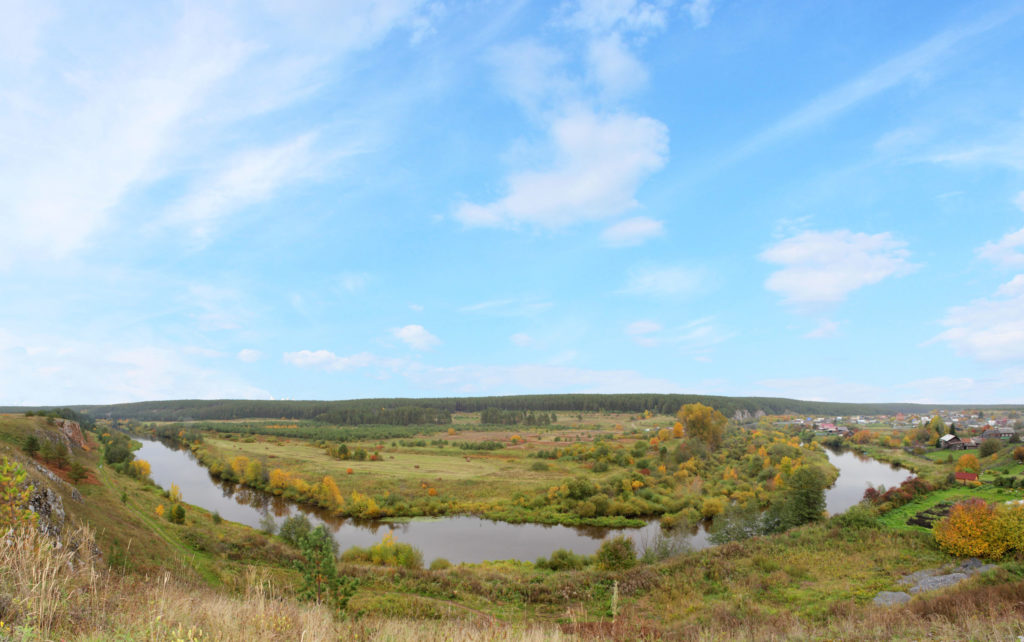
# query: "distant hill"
404,411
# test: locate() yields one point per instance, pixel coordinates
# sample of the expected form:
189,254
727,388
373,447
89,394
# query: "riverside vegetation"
200,577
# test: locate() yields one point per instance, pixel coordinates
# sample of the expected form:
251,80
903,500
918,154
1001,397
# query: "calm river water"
462,538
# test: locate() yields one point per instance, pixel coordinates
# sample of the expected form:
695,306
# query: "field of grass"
897,517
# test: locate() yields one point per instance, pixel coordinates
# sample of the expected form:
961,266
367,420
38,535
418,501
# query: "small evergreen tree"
31,446
321,582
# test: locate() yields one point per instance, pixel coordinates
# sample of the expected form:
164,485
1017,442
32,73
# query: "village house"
951,442
1000,432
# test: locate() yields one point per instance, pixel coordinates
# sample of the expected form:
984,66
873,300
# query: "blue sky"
347,199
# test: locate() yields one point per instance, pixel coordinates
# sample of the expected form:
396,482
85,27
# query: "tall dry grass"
51,592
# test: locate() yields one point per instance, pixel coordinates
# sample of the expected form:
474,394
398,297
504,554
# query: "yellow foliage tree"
159,510
703,423
139,469
677,430
238,465
278,480
175,493
664,434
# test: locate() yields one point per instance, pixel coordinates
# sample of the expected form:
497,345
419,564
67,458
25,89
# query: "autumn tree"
967,463
703,423
1018,454
980,529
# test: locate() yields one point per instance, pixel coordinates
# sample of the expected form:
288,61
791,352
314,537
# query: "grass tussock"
50,592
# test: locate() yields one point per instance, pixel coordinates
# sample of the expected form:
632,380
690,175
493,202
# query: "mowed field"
486,476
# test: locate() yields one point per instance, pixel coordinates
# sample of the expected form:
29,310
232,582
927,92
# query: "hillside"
206,579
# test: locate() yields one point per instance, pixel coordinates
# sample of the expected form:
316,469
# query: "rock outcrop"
931,579
72,432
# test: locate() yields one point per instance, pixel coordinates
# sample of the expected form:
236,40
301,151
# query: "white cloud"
613,67
326,360
661,281
416,336
521,339
601,16
113,118
416,307
1009,250
249,177
700,12
989,329
826,328
1000,387
20,30
696,337
632,231
249,355
66,372
825,267
600,161
533,74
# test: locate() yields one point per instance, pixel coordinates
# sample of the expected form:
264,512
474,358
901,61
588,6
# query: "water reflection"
458,539
461,538
856,473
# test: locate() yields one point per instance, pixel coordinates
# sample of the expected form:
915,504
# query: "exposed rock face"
72,432
50,508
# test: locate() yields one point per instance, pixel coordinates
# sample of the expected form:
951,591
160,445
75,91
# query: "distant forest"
403,412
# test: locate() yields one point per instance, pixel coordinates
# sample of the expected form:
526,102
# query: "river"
460,538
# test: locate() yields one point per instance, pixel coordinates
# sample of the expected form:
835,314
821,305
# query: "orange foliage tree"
967,463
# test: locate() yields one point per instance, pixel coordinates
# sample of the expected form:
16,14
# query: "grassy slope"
816,581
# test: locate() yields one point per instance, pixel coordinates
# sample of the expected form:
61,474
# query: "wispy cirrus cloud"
896,71
664,280
825,267
250,177
112,124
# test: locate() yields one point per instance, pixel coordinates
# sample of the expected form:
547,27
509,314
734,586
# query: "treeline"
84,420
185,432
406,411
499,417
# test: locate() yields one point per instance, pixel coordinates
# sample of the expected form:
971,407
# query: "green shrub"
616,554
440,564
540,466
387,552
562,560
294,529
